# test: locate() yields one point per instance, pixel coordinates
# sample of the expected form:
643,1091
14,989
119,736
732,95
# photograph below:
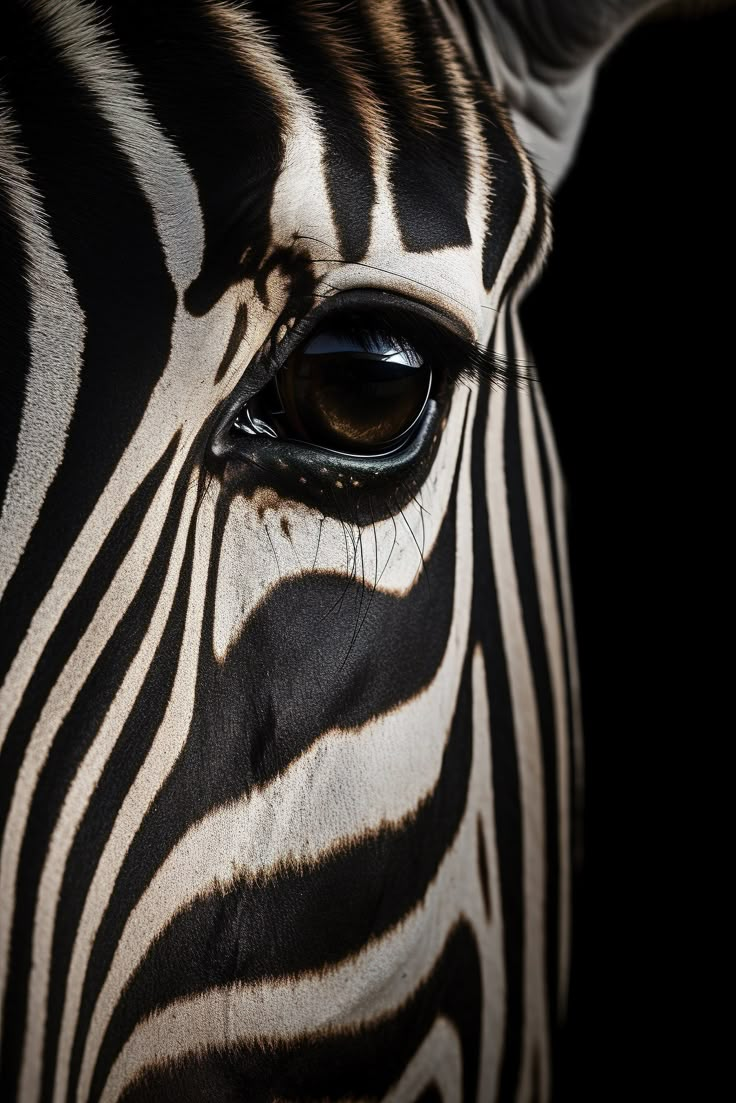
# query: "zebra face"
286,703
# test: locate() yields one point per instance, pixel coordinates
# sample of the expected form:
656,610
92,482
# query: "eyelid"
416,329
444,333
367,301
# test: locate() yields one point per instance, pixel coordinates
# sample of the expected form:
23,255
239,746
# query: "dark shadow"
627,332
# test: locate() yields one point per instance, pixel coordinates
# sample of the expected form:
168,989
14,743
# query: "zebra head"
288,673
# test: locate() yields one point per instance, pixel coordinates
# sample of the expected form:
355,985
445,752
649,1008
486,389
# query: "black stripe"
300,922
235,341
132,745
473,33
528,587
347,159
297,670
428,170
66,753
534,241
508,189
117,267
224,121
430,1095
359,1065
536,1077
556,551
506,790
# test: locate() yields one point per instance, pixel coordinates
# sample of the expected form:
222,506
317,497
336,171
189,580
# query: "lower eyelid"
357,487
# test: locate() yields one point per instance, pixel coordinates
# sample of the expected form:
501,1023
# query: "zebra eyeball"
345,389
356,395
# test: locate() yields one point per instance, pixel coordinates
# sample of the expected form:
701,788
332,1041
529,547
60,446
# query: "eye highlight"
355,394
352,395
347,389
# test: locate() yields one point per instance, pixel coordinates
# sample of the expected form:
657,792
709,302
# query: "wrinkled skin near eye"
346,391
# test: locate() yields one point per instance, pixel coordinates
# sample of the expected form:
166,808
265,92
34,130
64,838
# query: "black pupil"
353,394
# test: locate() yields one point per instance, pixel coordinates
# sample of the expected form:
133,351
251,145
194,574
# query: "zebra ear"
543,55
562,37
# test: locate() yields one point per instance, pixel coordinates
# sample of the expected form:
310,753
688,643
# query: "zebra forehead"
375,144
350,134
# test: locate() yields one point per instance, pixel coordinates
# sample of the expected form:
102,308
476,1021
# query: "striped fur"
287,766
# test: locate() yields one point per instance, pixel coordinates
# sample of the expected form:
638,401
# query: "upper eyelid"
452,345
445,326
472,361
467,361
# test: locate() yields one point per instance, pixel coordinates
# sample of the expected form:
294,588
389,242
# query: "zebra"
291,741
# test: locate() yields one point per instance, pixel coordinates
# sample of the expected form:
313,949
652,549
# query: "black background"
630,328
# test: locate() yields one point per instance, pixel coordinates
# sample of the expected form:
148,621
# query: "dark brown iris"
350,398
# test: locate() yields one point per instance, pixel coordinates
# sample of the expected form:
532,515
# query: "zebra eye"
350,392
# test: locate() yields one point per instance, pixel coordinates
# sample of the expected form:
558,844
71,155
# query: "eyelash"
453,359
298,470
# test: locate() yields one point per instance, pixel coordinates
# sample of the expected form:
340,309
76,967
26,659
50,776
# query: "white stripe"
75,805
300,204
524,225
560,514
526,726
159,168
381,772
387,555
438,1061
366,987
492,958
545,579
56,339
160,760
